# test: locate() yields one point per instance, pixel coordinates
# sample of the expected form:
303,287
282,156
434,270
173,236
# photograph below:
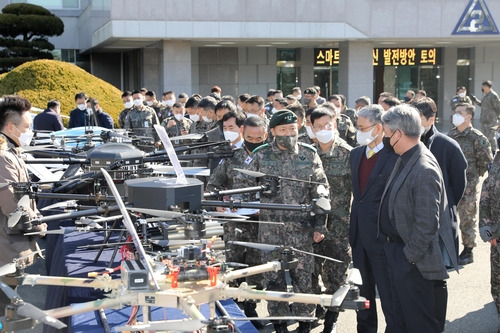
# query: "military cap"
311,91
282,117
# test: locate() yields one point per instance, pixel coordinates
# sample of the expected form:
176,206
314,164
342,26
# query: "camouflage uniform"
347,130
141,122
200,127
302,163
180,125
122,116
221,179
353,116
336,243
489,214
457,99
490,111
164,113
477,151
303,137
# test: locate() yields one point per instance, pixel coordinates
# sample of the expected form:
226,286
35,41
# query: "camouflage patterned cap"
282,117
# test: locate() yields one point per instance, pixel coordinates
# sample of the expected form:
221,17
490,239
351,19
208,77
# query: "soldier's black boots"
304,327
330,324
466,257
280,326
249,309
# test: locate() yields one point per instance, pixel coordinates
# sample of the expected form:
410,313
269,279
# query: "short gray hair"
373,113
404,118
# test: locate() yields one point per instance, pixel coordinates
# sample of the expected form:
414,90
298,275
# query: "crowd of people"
399,190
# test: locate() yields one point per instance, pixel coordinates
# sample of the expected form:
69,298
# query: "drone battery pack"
164,193
134,275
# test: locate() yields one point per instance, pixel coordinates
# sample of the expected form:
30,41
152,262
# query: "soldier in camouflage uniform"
167,102
288,158
460,97
490,111
254,134
489,214
141,118
477,151
128,102
177,125
334,153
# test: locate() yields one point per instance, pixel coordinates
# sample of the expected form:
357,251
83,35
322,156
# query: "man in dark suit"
371,166
412,206
50,118
453,166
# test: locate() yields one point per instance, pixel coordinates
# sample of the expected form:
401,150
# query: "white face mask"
324,136
310,132
365,138
149,103
194,117
128,105
137,102
239,107
299,96
82,106
170,102
178,116
231,136
25,138
251,115
422,130
461,95
206,119
274,110
89,111
457,119
164,103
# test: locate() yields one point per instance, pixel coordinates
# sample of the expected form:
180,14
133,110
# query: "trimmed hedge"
43,80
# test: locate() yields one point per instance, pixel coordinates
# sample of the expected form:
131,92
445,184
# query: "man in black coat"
453,165
371,166
50,118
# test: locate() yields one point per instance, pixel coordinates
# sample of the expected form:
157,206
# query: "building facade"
352,47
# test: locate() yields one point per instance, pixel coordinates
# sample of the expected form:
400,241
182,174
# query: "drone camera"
135,275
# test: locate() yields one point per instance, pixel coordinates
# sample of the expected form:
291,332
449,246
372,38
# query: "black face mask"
252,146
386,140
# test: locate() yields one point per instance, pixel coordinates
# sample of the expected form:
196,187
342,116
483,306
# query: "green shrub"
43,80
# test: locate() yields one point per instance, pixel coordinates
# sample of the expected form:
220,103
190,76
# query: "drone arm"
105,303
272,266
103,282
245,292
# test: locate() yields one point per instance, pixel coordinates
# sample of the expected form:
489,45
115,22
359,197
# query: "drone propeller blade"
185,325
8,291
156,212
193,136
339,295
30,311
14,218
61,204
130,226
236,216
251,173
355,277
2,185
258,246
316,255
24,202
8,269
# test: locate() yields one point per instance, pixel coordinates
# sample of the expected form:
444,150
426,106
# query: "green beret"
282,117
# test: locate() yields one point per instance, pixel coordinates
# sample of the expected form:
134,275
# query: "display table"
70,260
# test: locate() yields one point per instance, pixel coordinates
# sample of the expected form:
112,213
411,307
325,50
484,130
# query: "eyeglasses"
364,129
327,126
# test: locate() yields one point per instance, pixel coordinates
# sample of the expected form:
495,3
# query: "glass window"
52,4
286,70
463,68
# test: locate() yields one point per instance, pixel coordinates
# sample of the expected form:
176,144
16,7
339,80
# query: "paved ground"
470,306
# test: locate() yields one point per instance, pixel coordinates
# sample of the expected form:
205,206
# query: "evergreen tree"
25,30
